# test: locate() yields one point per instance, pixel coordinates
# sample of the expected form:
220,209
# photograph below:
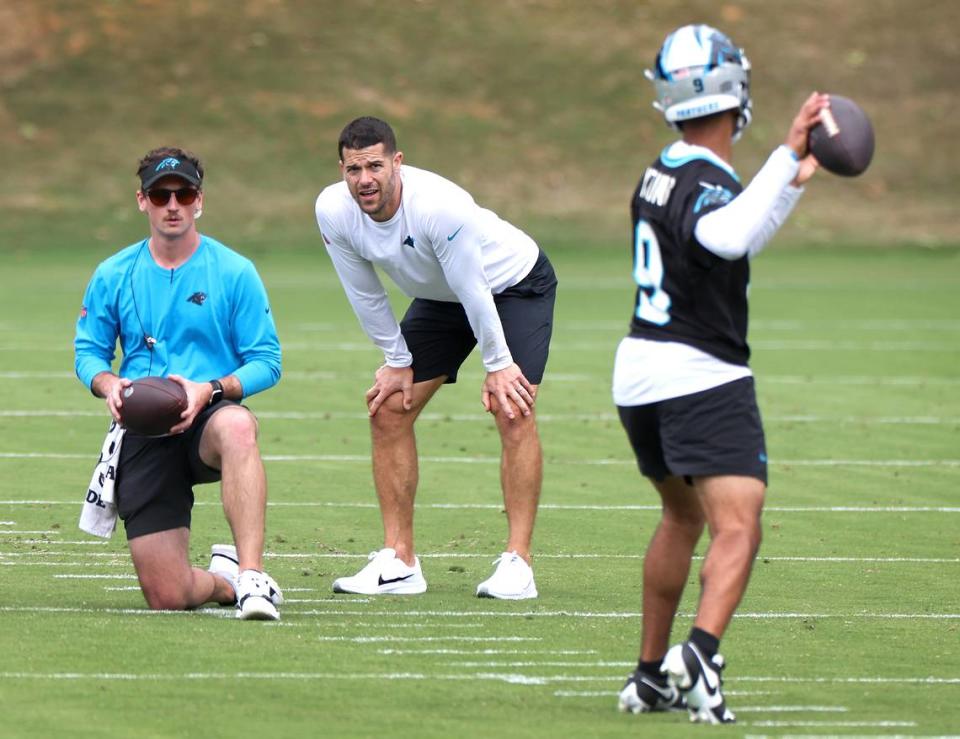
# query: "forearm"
749,221
485,321
103,383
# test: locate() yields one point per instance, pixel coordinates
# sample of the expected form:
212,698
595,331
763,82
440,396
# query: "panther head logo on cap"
168,163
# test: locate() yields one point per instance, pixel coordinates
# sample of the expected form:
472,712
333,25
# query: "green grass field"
539,108
850,625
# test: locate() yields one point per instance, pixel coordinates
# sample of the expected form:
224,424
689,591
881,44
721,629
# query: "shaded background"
539,108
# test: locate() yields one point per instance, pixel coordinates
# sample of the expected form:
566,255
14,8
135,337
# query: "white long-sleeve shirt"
440,245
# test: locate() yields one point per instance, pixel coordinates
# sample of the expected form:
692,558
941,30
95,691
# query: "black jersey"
685,293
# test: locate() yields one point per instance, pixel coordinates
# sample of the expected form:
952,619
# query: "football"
843,141
152,406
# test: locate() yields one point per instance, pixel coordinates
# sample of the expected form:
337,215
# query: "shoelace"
507,557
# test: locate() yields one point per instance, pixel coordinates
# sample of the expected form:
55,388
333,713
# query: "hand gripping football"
152,406
843,141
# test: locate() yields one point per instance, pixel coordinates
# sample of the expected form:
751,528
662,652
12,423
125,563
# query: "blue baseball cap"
169,167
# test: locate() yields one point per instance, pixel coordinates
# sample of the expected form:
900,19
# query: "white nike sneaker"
512,580
224,562
699,682
258,596
641,694
384,574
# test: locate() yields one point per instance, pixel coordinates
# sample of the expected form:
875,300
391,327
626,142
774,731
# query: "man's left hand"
198,396
511,389
387,381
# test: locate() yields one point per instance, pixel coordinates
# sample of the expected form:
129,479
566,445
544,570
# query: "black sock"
652,670
706,642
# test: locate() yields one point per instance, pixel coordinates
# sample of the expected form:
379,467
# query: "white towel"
99,514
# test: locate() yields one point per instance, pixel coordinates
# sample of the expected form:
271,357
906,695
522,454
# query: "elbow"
727,249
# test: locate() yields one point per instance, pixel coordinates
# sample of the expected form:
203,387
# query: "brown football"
152,406
843,141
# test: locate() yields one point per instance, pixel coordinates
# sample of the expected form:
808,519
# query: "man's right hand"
387,381
807,117
110,387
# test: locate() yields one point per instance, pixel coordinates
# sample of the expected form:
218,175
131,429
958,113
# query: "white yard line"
603,417
62,542
494,663
379,676
336,610
485,651
851,736
367,624
809,379
380,638
122,558
833,724
543,506
365,459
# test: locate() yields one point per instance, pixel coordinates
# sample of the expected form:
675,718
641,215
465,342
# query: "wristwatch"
217,393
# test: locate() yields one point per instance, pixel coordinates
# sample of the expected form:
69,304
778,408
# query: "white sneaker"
512,580
258,596
384,574
224,562
699,682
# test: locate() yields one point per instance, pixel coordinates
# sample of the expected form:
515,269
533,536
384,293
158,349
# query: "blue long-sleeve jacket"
210,318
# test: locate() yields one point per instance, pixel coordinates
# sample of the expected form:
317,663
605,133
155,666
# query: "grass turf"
849,625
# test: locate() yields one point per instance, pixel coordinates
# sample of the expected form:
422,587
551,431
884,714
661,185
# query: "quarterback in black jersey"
682,384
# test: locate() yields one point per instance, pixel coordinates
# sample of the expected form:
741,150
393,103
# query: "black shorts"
439,336
713,432
155,477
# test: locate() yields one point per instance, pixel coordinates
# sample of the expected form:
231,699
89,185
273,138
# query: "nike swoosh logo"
452,236
708,681
711,689
393,579
664,693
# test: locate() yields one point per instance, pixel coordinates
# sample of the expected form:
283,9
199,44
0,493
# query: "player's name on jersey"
657,186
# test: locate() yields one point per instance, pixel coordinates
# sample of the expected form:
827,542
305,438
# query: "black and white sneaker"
642,694
699,682
258,596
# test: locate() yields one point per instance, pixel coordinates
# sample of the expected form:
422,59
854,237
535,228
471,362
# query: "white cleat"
699,682
641,694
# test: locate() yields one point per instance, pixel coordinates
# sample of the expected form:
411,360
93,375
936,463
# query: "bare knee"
237,427
743,533
391,418
686,522
514,431
165,596
232,430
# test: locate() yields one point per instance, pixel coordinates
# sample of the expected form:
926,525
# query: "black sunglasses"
161,196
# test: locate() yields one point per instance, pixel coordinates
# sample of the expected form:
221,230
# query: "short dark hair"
157,155
366,131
